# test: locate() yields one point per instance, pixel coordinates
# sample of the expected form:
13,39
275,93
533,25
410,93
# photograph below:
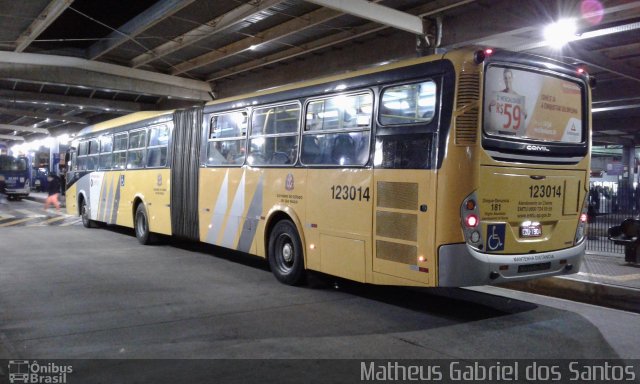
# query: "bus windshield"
10,163
530,105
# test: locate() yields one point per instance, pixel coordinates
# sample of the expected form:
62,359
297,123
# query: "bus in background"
457,169
15,176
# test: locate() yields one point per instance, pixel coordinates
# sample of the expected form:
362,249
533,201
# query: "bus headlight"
581,231
469,218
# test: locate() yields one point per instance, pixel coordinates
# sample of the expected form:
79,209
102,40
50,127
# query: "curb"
604,295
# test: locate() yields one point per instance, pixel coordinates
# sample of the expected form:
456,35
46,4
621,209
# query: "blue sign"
495,237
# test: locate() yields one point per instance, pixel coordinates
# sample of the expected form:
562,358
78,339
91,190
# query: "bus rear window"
528,105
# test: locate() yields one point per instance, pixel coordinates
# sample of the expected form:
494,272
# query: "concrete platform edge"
604,295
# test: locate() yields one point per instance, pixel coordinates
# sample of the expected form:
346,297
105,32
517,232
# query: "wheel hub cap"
287,253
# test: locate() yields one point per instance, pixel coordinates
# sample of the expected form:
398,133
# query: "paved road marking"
52,220
16,222
31,213
633,276
72,222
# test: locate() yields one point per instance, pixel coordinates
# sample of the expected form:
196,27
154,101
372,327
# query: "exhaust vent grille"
468,96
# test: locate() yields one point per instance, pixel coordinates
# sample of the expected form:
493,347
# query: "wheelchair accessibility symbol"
495,237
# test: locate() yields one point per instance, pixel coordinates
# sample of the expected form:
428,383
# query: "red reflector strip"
262,217
504,267
563,262
419,269
314,225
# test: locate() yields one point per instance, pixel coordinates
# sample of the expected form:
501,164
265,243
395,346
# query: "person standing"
3,199
53,189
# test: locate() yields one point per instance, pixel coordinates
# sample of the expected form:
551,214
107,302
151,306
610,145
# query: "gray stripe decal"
251,222
116,202
102,202
219,211
235,215
109,208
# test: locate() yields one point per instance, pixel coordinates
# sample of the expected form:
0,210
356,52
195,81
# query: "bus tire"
84,214
141,226
286,257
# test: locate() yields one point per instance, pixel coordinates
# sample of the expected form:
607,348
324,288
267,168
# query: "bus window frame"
370,129
84,159
114,152
142,148
95,156
244,136
101,152
437,81
148,138
297,133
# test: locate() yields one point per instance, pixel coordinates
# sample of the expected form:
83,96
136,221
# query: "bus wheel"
84,213
285,253
141,226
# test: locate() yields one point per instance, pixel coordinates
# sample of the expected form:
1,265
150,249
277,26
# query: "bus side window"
348,120
227,138
120,144
274,135
408,104
157,146
136,153
106,146
92,158
406,151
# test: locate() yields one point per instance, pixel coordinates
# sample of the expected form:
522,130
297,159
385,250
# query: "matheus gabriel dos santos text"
512,371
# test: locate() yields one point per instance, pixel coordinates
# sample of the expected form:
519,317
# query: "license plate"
532,230
533,267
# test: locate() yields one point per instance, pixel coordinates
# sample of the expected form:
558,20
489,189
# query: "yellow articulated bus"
457,169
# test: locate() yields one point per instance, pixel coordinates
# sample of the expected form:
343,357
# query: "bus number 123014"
542,191
346,192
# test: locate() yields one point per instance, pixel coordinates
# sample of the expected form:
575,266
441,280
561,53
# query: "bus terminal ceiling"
65,64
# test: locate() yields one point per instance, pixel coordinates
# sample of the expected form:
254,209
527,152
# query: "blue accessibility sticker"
495,237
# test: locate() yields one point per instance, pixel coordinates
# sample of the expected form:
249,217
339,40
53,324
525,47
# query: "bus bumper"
462,266
18,191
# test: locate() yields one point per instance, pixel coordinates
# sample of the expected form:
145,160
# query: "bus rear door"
404,209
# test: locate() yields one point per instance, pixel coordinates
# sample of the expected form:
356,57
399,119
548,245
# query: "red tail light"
471,221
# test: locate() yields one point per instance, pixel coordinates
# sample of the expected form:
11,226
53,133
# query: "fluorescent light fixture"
560,33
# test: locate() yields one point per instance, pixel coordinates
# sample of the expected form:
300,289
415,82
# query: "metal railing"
608,208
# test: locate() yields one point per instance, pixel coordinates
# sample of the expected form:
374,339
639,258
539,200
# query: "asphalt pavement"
604,279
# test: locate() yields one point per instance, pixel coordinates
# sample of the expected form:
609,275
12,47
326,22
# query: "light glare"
560,33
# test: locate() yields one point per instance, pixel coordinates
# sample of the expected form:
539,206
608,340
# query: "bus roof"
123,120
338,77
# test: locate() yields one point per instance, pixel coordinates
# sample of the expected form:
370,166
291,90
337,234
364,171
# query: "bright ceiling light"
560,33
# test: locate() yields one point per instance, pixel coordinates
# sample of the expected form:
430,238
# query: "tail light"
469,217
480,56
581,231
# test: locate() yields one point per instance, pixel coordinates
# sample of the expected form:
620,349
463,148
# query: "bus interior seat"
311,152
153,158
344,149
279,158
